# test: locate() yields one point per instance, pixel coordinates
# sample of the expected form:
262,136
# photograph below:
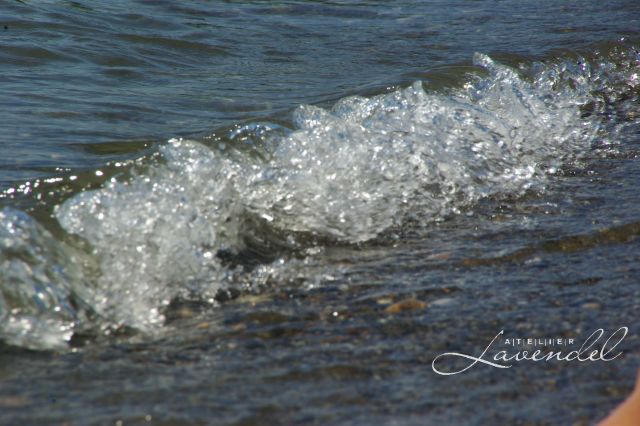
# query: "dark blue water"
283,212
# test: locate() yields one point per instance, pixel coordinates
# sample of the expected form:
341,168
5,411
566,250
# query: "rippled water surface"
287,212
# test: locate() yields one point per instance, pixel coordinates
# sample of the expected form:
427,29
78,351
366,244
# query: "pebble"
405,305
253,300
13,401
591,305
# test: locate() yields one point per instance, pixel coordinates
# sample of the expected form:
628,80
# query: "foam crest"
157,235
355,170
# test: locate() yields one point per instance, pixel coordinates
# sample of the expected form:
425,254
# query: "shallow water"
284,212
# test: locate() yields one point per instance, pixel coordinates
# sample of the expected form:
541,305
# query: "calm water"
283,212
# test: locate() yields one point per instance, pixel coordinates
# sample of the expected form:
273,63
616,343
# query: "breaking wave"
345,174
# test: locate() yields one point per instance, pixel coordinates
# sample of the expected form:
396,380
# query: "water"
209,211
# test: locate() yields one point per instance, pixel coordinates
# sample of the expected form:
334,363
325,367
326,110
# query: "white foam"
157,235
355,170
347,173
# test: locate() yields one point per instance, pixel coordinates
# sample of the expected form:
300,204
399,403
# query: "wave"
179,228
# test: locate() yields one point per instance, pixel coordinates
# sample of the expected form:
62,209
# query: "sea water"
210,211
